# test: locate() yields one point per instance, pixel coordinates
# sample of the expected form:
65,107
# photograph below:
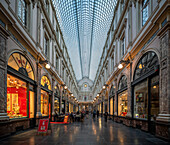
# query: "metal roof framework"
84,24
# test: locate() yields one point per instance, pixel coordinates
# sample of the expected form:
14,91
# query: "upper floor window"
122,46
122,4
46,46
22,12
145,11
47,6
56,63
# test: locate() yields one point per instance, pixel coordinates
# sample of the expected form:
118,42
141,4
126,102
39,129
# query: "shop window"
147,63
122,103
141,100
31,104
44,103
45,82
154,97
22,12
111,106
122,82
16,97
145,11
57,105
18,62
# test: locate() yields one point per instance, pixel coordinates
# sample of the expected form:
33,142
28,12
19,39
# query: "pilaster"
3,74
39,67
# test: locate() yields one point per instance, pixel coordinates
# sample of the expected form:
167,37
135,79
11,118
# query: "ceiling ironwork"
84,24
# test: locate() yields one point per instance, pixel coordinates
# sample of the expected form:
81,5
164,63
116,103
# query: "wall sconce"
97,95
120,66
47,66
65,87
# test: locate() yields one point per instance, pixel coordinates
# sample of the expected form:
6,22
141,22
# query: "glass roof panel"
84,24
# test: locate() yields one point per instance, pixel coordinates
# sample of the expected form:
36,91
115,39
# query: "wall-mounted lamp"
97,95
47,66
65,87
120,66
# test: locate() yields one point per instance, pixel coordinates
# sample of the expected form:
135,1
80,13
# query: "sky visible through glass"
84,24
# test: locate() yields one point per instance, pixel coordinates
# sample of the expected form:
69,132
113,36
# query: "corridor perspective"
89,132
65,62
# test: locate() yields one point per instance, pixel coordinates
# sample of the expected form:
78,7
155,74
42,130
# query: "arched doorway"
111,101
122,97
20,88
46,106
146,89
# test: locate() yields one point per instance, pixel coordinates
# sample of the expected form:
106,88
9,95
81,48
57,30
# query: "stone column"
129,112
61,97
3,74
163,119
115,98
39,67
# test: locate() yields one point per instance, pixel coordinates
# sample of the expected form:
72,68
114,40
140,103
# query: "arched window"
122,82
20,63
147,63
112,91
45,82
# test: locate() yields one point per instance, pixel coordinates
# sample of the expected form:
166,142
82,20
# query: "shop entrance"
146,90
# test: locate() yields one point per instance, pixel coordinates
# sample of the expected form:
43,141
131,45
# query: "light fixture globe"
65,87
104,87
120,66
47,66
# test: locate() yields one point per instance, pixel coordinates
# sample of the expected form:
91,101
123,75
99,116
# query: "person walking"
105,115
94,114
97,113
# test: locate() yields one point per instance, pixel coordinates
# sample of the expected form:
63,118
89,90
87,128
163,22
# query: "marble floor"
89,132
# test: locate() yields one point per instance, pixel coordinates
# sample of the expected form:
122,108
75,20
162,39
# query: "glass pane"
44,103
16,97
31,104
154,97
111,106
18,62
141,100
122,103
46,82
57,105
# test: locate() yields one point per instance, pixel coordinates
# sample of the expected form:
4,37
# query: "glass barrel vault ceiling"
84,24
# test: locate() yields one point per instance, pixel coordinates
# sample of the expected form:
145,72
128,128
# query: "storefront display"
16,97
122,104
31,106
111,106
122,96
57,104
141,100
147,88
44,103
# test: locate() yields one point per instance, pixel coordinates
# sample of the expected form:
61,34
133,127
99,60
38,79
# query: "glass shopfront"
57,104
122,103
111,106
100,108
122,97
45,96
17,100
146,89
44,103
20,92
63,106
141,100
